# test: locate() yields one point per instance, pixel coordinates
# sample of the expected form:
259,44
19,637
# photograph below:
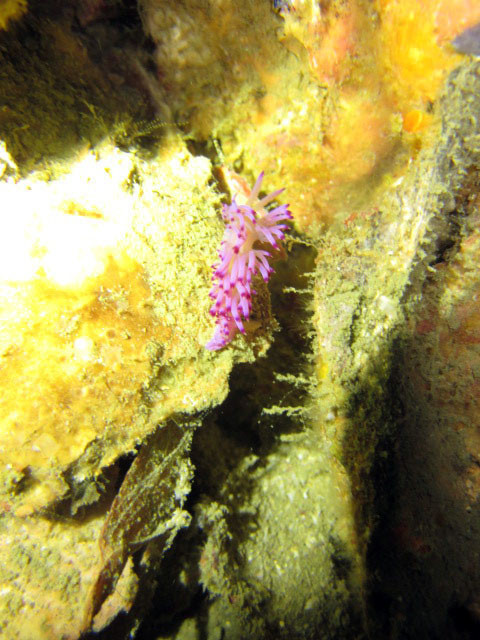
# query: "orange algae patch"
333,173
416,63
383,73
335,35
335,40
358,135
416,120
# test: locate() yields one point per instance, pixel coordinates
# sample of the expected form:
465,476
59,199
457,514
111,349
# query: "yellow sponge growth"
11,9
416,59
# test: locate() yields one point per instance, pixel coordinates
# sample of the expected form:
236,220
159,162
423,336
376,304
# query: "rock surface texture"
315,474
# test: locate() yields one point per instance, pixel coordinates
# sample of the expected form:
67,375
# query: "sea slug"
250,228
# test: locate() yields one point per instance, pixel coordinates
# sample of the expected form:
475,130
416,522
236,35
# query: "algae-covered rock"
104,309
105,269
104,279
333,479
98,344
98,348
430,538
331,98
395,307
295,568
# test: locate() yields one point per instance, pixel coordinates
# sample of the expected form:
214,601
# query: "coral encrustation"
246,225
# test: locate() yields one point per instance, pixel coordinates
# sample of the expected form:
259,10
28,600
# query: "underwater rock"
104,312
468,41
298,524
296,570
91,326
331,99
396,317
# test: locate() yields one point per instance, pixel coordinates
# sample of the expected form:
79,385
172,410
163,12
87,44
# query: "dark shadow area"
420,497
254,388
233,432
69,78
